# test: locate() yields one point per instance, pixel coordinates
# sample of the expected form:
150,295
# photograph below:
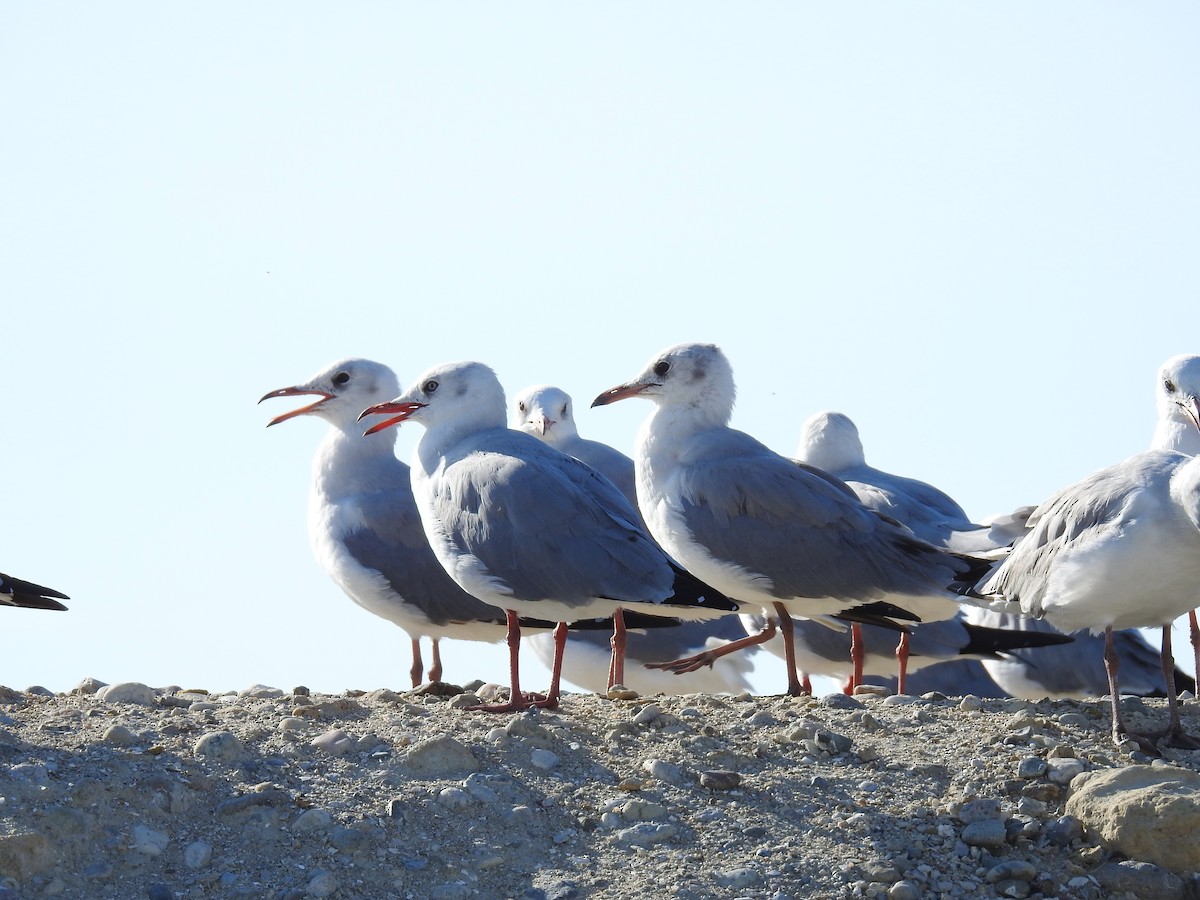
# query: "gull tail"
992,642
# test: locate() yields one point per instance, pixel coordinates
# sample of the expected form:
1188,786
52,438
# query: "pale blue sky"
971,227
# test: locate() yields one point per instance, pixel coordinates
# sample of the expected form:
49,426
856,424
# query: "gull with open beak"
526,528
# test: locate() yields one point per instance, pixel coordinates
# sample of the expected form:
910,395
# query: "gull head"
830,441
462,396
686,376
545,412
1178,401
342,389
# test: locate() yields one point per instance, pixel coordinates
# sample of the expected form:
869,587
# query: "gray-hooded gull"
526,528
1118,549
363,522
27,595
763,528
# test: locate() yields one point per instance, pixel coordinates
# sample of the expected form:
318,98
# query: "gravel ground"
127,791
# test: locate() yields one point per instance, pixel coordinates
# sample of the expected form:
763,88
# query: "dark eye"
1169,385
341,378
564,411
430,386
662,367
521,407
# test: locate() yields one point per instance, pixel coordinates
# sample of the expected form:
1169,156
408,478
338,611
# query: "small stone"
262,692
544,759
620,692
664,771
219,746
476,785
292,723
197,854
440,756
128,692
529,731
454,798
1063,830
89,686
158,891
1143,880
315,819
645,834
1017,869
148,841
840,701
641,810
647,714
720,780
335,742
323,884
904,890
970,703
1061,770
119,736
986,833
739,878
1013,887
1031,767
465,701
981,810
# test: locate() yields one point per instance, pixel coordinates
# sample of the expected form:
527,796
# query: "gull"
27,595
766,529
526,528
547,413
363,522
587,663
1118,549
1177,398
1074,671
822,650
830,441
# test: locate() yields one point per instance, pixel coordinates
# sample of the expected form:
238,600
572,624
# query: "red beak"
403,410
295,392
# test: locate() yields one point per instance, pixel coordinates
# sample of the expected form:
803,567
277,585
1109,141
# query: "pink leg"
795,689
616,668
805,684
418,665
902,658
516,700
856,657
435,670
708,657
1194,628
1174,736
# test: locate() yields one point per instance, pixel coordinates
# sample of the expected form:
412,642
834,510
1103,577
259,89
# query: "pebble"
904,890
641,810
1063,830
335,742
148,841
720,780
454,798
970,703
1018,869
323,884
1060,770
739,878
1031,767
197,854
645,834
441,756
159,891
315,819
119,736
219,746
476,785
128,692
985,833
647,714
620,692
544,759
261,692
841,701
662,770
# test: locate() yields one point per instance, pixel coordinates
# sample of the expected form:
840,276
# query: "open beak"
621,392
297,391
401,409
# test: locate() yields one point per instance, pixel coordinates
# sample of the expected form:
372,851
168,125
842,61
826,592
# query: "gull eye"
430,386
341,378
564,411
1169,385
662,367
521,406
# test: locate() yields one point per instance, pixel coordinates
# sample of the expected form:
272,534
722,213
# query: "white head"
345,389
830,441
545,412
462,397
692,377
1177,396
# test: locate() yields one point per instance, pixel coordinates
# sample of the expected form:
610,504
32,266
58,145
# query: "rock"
89,686
1061,770
119,736
454,798
1011,869
261,691
1143,880
440,756
1031,767
737,879
197,854
315,819
25,854
543,759
645,834
1141,811
664,771
220,746
159,891
981,810
128,692
841,701
148,841
335,742
985,833
641,810
720,780
904,890
323,884
1064,830
647,714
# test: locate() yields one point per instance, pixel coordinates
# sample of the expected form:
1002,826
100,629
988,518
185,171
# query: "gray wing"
549,526
806,531
609,462
1087,510
932,514
392,541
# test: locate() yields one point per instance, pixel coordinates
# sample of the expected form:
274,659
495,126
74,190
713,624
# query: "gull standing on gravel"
27,595
1119,549
363,521
548,413
526,528
1177,397
766,529
830,442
